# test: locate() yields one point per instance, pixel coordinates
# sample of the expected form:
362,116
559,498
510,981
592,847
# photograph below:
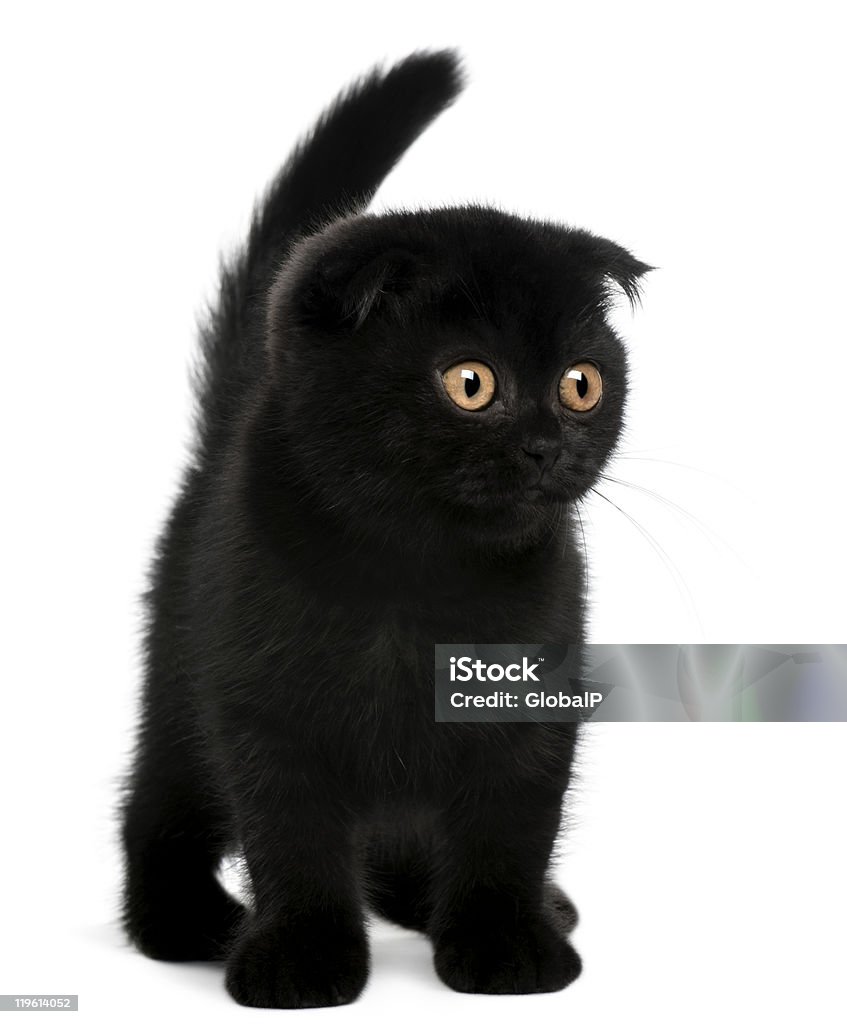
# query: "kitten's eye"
470,385
581,387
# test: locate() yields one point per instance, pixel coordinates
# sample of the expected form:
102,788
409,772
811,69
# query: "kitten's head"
449,374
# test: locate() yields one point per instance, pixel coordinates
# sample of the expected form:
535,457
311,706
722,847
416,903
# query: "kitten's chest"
388,663
360,681
389,714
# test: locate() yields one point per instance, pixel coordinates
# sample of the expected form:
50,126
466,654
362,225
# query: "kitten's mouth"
511,505
539,495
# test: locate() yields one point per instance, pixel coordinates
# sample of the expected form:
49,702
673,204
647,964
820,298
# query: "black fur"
340,516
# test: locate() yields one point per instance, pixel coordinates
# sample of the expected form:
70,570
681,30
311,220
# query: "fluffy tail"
334,171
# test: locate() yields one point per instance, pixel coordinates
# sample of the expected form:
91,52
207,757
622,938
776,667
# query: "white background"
707,861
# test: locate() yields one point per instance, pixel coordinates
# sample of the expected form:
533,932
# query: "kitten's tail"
334,171
338,167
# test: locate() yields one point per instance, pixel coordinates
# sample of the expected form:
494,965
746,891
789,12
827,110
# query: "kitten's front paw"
292,967
529,955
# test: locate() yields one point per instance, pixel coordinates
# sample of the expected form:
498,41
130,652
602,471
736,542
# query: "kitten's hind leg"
398,880
563,910
173,835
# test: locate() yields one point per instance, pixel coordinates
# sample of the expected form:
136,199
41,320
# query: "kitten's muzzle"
541,455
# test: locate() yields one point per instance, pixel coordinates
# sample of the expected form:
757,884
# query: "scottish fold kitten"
396,414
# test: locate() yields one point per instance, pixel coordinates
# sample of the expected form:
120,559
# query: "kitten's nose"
542,453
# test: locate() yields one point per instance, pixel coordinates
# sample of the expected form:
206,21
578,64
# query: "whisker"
712,536
667,561
585,557
641,451
630,457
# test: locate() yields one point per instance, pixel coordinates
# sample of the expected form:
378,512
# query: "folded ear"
347,286
615,267
626,272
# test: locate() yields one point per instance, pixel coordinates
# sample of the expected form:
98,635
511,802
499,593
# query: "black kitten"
396,415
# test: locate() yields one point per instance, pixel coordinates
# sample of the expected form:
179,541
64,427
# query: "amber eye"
581,387
470,385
